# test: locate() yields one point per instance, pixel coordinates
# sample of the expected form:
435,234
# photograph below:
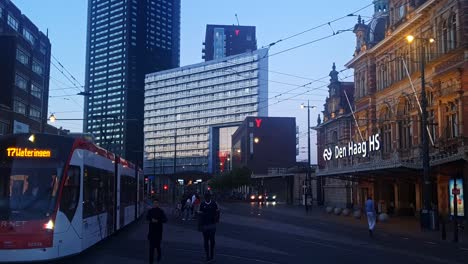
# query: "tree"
230,180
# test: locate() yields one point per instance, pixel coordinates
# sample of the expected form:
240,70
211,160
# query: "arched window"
451,120
404,125
363,86
453,32
445,39
386,128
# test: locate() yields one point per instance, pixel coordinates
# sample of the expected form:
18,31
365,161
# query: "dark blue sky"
65,21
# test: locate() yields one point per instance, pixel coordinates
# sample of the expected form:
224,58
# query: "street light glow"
410,38
431,40
52,118
256,140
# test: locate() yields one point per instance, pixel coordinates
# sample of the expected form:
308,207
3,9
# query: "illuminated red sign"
258,122
237,32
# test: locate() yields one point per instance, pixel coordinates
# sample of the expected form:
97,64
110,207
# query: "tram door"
111,204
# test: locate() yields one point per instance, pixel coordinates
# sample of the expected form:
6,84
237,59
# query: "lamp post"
308,189
427,184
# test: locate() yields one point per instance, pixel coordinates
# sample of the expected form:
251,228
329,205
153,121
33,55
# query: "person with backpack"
208,218
156,218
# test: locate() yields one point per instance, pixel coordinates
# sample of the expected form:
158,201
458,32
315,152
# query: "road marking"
466,249
405,238
231,256
430,243
325,245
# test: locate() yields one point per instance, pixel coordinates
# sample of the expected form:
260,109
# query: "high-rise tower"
224,41
126,39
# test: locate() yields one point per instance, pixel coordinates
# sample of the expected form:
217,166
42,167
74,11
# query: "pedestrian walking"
209,216
196,206
188,209
371,215
192,201
156,217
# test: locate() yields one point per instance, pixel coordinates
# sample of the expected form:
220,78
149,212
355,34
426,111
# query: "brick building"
387,95
336,128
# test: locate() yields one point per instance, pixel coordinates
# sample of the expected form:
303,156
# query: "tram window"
71,192
127,190
98,191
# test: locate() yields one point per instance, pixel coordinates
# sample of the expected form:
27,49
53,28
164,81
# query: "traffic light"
209,188
165,187
146,179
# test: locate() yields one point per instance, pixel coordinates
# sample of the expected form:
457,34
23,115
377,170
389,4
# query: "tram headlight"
49,225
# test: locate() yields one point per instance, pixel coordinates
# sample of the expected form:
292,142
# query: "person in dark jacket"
209,213
156,217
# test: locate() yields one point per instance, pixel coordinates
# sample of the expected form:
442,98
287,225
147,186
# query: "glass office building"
197,108
126,40
227,40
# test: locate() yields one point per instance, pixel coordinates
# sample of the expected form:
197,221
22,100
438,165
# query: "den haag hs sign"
353,149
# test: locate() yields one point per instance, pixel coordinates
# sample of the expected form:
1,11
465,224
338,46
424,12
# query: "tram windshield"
31,168
28,189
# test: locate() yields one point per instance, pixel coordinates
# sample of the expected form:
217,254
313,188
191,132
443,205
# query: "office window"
43,48
21,82
22,57
36,90
19,107
28,36
12,22
35,113
3,126
37,68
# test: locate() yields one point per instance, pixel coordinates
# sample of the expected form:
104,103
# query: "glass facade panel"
187,104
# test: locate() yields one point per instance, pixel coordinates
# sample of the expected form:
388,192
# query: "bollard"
444,231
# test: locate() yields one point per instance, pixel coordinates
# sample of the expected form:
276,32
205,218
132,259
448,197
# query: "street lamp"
308,180
52,118
427,184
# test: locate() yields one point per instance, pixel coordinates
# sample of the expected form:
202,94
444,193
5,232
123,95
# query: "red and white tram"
60,195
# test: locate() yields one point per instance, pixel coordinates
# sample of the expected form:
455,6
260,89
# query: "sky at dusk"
65,21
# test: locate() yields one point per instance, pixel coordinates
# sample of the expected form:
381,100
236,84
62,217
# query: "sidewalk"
400,226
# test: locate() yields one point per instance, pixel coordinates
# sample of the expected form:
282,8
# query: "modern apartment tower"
24,73
126,39
223,41
197,108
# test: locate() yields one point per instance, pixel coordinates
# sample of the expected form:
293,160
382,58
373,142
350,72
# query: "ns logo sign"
327,154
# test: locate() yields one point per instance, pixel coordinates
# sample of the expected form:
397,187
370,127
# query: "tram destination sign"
353,149
14,152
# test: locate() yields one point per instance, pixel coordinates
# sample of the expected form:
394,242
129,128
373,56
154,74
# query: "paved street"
273,234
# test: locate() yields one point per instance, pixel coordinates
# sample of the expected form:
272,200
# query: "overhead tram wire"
352,14
69,73
309,42
66,77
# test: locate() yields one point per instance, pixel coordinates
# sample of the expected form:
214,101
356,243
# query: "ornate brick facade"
387,102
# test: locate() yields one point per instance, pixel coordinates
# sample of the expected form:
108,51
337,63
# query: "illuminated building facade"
387,103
